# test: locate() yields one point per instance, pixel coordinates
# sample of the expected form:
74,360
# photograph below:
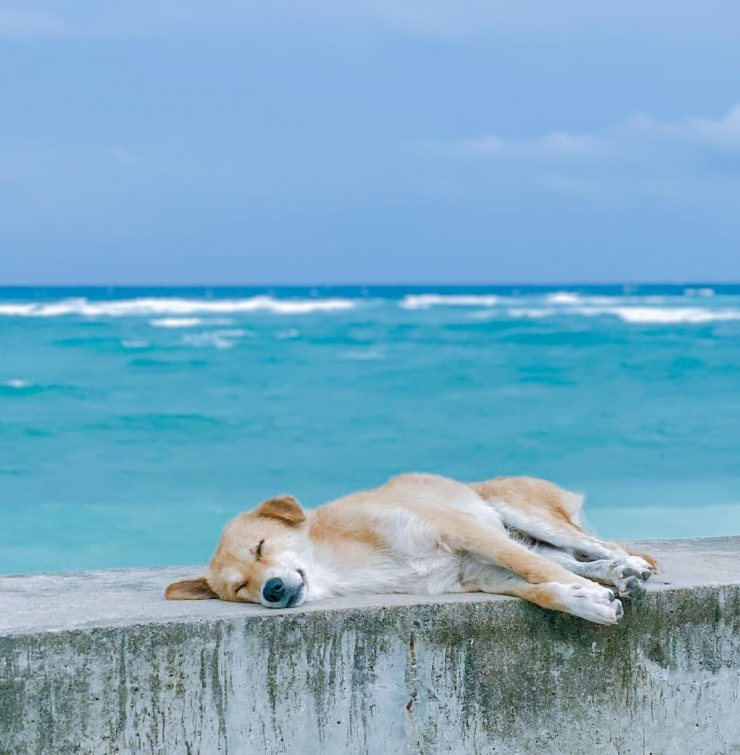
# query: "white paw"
642,568
592,602
627,580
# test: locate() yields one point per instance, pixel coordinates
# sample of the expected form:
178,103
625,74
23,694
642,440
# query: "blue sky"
390,141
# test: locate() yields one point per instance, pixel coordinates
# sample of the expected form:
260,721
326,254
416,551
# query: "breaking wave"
163,306
176,322
636,315
15,383
690,306
563,297
425,301
221,339
672,315
531,314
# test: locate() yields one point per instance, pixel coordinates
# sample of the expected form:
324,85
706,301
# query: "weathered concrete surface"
99,663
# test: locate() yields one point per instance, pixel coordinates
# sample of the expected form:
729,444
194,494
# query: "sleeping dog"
425,535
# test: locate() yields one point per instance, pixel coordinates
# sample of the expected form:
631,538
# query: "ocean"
134,422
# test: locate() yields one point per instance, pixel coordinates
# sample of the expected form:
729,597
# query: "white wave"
162,306
363,355
563,297
636,315
425,301
673,315
287,335
134,344
221,339
176,322
15,383
569,298
531,313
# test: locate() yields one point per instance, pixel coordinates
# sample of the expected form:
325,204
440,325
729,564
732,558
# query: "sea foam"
563,297
425,301
635,315
221,339
530,313
673,315
287,335
363,355
163,306
15,383
176,322
570,298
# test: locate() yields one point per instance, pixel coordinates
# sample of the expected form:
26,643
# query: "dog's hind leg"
551,515
608,571
485,550
569,539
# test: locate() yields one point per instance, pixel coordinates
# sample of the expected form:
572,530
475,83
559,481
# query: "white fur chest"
413,563
423,566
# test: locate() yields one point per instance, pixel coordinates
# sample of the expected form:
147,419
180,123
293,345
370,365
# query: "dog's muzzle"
279,593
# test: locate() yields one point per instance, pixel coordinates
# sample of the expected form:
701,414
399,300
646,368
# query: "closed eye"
258,552
242,586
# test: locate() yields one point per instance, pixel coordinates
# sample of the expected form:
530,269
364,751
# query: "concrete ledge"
98,662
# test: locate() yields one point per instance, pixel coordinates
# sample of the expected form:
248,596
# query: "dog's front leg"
609,571
527,575
591,602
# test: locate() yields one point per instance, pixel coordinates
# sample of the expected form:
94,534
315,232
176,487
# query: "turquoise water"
135,422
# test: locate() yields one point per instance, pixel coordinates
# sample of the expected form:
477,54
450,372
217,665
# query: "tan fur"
530,493
657,569
190,589
420,526
237,553
284,508
356,535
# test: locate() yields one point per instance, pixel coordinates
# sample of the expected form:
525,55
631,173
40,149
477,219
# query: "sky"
352,141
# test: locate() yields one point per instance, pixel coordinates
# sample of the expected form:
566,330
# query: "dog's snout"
274,590
283,593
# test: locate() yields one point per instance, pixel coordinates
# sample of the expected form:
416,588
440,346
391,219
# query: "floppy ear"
285,508
189,589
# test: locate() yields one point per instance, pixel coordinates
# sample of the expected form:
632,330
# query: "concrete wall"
99,663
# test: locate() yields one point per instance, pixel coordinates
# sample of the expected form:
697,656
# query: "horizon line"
374,285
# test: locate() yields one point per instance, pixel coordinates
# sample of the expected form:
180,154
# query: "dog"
423,534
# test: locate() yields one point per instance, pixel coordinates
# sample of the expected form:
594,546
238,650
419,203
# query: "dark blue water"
135,422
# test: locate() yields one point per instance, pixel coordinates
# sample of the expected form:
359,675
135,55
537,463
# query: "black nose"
274,590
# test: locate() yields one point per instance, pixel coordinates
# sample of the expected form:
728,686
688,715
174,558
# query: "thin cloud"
639,136
29,24
554,146
720,134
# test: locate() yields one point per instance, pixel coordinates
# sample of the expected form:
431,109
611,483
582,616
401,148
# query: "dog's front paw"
628,581
643,568
593,602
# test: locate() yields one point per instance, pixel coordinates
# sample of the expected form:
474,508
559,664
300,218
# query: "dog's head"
260,559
